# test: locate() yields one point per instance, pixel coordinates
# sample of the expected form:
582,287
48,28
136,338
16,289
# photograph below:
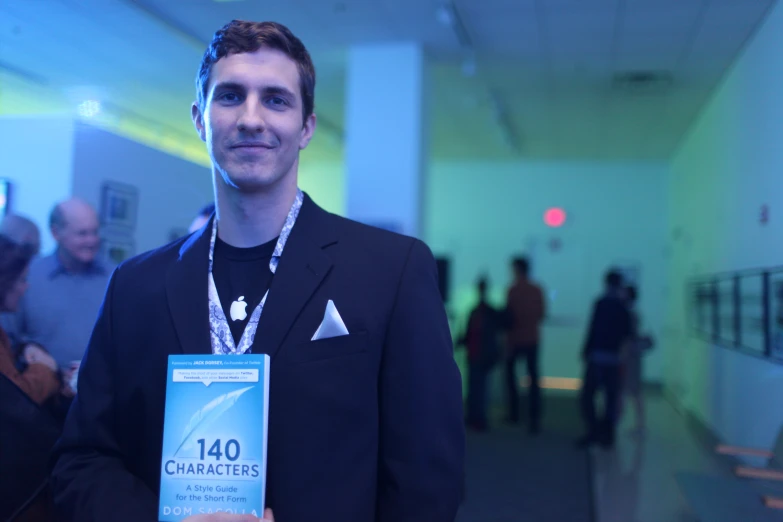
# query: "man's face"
252,120
79,237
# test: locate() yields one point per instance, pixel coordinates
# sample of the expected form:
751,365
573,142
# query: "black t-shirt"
241,275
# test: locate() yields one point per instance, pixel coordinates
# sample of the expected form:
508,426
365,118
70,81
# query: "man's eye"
276,101
228,96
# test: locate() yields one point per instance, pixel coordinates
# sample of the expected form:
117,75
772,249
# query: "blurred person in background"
483,349
525,311
22,231
202,218
39,379
27,432
635,349
609,329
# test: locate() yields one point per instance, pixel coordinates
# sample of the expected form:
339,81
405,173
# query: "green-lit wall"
482,214
727,167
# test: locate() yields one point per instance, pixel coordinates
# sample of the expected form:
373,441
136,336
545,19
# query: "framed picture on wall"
117,249
119,205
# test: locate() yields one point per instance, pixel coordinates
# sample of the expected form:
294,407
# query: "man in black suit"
610,328
362,427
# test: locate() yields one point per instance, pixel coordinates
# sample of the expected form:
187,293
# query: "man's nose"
251,118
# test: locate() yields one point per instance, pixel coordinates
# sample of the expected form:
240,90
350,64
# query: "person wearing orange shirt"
525,309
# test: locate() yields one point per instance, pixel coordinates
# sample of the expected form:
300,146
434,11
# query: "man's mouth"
252,145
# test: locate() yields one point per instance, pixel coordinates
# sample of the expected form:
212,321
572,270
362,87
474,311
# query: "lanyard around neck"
221,338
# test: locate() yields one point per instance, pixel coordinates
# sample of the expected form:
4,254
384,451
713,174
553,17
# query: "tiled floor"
635,482
515,477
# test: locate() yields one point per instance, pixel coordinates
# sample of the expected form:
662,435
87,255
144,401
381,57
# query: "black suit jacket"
366,427
610,326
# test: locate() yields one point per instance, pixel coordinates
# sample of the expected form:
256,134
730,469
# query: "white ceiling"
548,64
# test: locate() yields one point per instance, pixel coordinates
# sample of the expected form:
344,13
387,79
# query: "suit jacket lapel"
186,290
301,269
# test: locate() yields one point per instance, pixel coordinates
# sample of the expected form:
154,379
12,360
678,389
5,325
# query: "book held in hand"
214,436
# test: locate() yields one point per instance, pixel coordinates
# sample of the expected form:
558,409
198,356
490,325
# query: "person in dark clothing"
365,404
27,434
610,327
481,342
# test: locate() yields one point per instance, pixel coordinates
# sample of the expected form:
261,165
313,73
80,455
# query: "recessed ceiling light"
89,108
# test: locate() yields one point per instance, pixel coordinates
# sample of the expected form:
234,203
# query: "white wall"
323,181
37,155
728,166
171,190
384,161
482,214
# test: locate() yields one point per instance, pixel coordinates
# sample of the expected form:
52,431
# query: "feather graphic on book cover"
207,415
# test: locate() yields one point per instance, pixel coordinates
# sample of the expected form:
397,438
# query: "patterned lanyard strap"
220,332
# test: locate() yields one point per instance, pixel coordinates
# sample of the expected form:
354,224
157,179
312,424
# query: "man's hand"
226,517
34,354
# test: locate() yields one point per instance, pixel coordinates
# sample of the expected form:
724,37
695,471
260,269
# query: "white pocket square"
332,325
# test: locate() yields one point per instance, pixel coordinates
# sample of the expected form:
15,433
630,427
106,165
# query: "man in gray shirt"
66,288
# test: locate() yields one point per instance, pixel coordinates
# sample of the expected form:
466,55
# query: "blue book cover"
214,436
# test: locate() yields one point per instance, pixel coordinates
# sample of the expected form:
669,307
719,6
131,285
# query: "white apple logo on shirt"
238,309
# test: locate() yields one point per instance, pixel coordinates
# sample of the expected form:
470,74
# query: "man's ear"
198,121
307,131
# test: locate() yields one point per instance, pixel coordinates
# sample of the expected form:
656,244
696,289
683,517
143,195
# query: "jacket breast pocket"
324,349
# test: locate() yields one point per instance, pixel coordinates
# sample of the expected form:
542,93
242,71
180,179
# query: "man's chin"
257,182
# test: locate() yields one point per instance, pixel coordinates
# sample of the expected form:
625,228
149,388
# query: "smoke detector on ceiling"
643,82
